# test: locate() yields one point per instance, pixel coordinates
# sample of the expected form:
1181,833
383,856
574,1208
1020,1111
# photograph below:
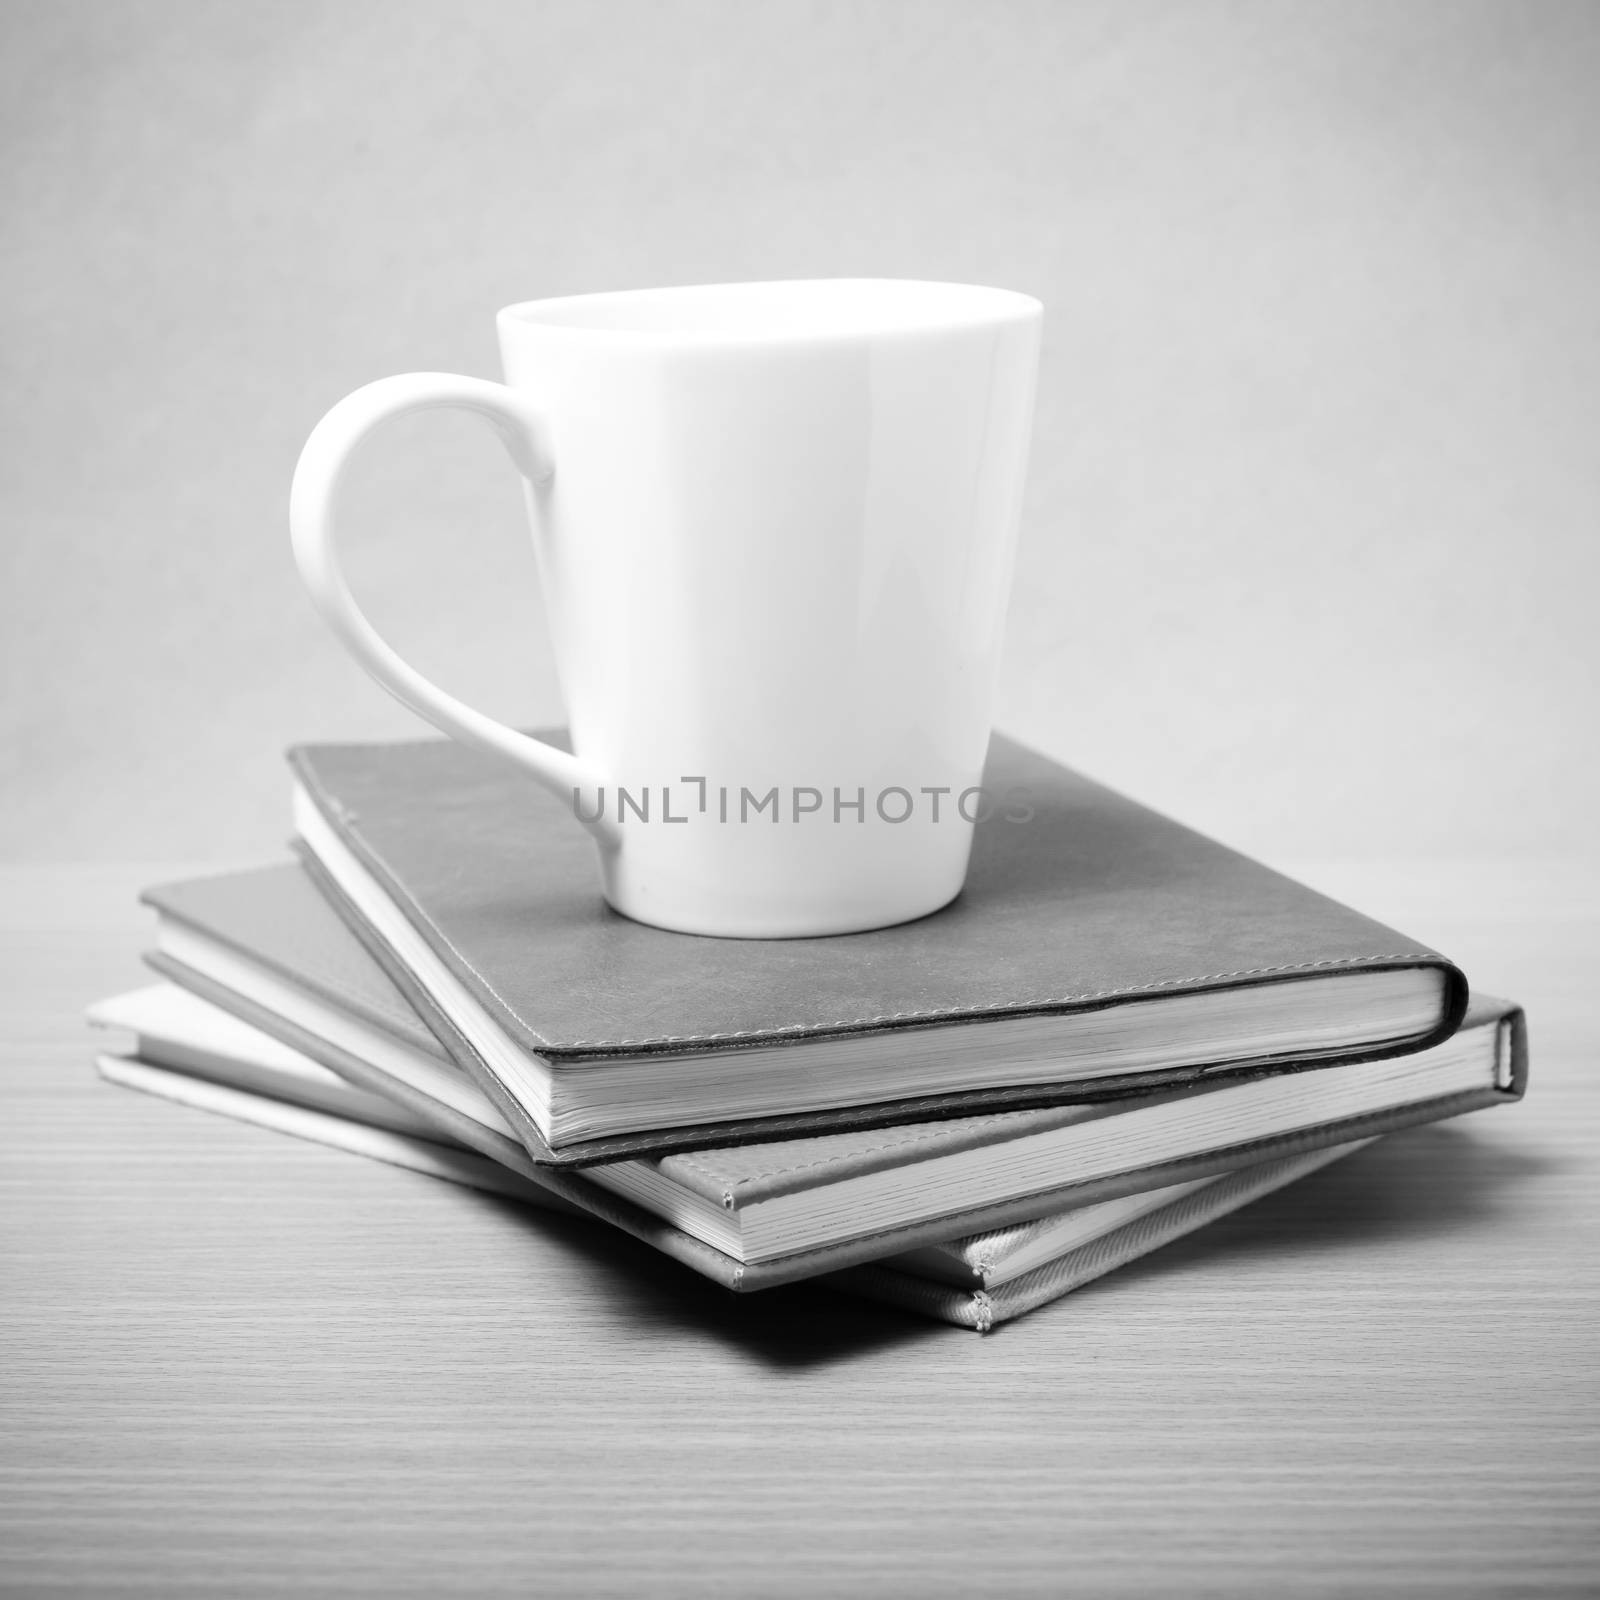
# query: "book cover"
306,941
1078,963
778,1201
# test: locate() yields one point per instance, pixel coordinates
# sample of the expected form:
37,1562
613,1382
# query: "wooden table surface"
235,1364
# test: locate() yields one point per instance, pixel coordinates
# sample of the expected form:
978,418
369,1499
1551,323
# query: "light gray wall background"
1310,553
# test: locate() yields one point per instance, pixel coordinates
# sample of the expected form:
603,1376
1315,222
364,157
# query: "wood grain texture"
231,1363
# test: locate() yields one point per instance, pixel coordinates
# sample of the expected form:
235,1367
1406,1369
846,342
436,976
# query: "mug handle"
316,482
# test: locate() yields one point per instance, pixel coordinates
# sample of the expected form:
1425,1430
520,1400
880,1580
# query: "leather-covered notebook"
1098,949
780,1202
976,1282
264,946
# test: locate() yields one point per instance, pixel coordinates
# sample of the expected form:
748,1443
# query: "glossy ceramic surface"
775,527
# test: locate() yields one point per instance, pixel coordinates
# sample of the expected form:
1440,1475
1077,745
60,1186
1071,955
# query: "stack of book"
1118,1032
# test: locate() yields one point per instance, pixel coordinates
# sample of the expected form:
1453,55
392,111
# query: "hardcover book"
779,1202
750,1215
974,1282
1098,949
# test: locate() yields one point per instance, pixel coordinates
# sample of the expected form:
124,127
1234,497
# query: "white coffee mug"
775,526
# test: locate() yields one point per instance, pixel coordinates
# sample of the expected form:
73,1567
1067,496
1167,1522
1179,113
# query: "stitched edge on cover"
692,1158
977,1008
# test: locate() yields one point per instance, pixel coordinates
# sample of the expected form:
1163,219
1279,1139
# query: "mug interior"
805,308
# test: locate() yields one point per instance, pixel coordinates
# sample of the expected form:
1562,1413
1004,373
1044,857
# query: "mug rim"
818,310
